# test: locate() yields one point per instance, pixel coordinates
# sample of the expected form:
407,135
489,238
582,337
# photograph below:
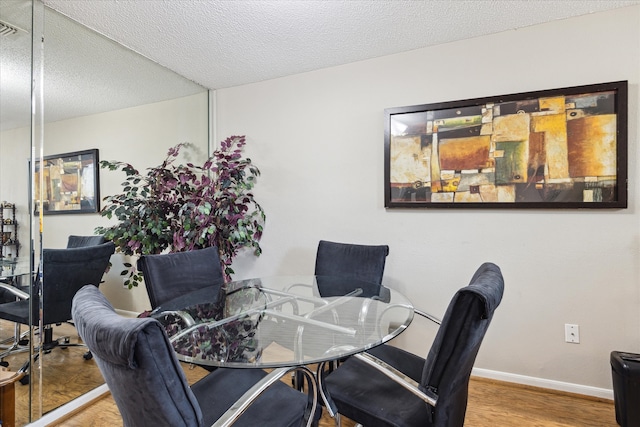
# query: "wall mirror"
90,93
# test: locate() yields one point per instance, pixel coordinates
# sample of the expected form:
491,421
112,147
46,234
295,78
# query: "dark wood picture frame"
71,183
558,148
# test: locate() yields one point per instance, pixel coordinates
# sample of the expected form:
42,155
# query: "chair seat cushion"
279,406
408,363
357,401
17,311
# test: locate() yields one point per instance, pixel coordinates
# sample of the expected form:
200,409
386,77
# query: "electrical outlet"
572,333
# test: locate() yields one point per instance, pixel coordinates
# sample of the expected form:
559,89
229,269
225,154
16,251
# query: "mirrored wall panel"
98,97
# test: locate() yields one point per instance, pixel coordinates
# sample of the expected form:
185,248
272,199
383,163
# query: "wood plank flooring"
66,375
500,404
491,404
62,376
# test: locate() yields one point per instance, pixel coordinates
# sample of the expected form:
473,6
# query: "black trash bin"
625,369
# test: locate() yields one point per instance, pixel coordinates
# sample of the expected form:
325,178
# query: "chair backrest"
449,362
137,362
64,271
167,276
362,262
83,241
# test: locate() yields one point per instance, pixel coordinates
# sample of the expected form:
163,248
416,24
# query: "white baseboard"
53,418
544,383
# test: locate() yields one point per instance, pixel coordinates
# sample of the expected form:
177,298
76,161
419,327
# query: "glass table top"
282,321
14,267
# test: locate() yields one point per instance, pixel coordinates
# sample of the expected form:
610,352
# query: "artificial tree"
185,207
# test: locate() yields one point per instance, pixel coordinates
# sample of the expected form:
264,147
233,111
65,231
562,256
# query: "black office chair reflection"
388,386
64,271
149,387
15,291
75,241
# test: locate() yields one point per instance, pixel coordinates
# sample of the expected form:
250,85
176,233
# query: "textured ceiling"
221,44
225,43
84,72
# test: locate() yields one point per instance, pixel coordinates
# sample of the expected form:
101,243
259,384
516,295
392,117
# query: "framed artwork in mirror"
559,148
70,183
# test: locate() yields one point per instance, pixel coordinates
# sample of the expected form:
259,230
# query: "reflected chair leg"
25,368
62,342
16,332
19,344
24,337
48,342
11,342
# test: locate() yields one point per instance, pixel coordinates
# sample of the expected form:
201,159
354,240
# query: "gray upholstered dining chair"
363,263
388,386
17,293
75,241
346,260
149,386
167,276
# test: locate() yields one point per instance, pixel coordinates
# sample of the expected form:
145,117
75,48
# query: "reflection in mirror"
17,143
100,96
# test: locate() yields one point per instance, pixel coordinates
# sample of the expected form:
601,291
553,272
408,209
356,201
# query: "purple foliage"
186,207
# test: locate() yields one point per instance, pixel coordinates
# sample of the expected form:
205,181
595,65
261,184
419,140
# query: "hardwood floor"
66,375
500,404
61,366
491,404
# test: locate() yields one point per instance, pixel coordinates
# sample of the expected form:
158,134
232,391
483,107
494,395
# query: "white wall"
140,136
318,140
15,152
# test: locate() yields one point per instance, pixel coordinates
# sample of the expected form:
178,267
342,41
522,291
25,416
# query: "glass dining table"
12,272
283,321
13,268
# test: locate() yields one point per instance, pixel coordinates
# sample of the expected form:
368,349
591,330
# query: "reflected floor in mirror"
67,375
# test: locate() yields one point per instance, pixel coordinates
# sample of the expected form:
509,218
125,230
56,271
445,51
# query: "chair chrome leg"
20,343
11,342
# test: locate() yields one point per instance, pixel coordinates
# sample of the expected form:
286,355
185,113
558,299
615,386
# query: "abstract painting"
560,148
69,183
